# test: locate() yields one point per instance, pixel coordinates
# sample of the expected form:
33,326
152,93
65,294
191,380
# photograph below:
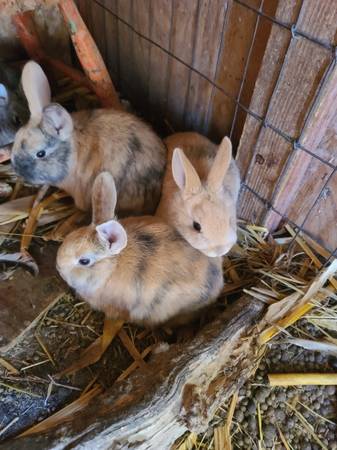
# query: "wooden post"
88,53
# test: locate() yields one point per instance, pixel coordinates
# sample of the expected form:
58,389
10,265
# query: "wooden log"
182,389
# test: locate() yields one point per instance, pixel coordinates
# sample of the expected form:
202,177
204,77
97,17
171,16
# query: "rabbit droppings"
200,192
139,269
69,150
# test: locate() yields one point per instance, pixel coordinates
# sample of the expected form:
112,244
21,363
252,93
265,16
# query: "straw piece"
94,352
11,369
302,379
134,365
34,215
309,252
16,389
128,344
307,426
89,56
65,414
259,420
303,304
283,439
317,346
11,423
227,444
189,443
44,348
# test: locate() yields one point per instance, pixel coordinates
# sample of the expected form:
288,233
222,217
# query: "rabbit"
138,269
200,192
13,105
69,150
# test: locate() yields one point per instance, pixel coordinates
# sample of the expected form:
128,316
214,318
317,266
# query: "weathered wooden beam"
180,390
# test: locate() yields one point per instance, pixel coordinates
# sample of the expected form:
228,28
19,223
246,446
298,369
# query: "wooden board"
161,22
125,48
141,53
285,96
242,24
322,219
112,40
208,38
184,20
299,173
98,27
180,389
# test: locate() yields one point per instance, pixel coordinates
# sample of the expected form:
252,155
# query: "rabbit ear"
113,236
3,95
184,173
220,165
36,88
57,122
104,198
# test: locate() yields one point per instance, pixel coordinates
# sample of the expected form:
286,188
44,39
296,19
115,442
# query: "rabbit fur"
13,105
200,192
138,269
69,150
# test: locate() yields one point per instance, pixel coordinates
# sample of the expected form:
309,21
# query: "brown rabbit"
68,151
200,192
139,269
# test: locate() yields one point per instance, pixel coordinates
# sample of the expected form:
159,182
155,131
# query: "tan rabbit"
69,150
200,192
139,269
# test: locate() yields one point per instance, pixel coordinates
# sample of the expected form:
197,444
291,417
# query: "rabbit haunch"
200,192
138,269
69,150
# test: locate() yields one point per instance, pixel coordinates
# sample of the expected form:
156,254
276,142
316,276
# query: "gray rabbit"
13,104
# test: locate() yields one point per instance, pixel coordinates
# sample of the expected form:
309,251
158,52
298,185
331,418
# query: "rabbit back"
126,147
160,276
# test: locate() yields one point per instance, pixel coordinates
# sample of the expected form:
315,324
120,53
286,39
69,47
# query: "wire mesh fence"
295,33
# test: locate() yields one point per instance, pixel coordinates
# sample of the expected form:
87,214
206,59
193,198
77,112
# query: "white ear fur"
36,88
113,235
3,95
183,172
104,198
220,164
57,122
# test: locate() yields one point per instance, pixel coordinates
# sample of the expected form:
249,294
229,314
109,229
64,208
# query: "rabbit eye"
41,154
84,261
197,226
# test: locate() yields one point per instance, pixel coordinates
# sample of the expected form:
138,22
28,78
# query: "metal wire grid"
265,124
